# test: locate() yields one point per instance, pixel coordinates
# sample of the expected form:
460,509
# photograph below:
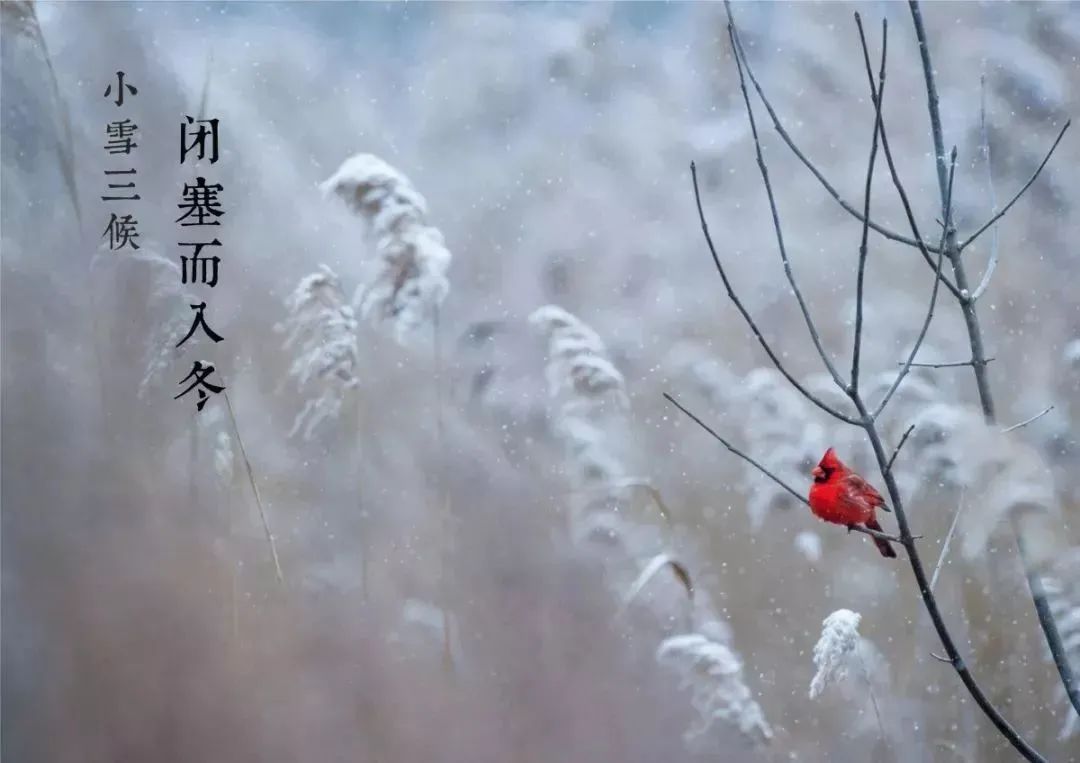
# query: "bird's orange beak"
818,472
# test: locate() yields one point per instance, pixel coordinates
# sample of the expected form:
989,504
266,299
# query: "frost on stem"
405,283
1063,595
713,673
320,334
836,652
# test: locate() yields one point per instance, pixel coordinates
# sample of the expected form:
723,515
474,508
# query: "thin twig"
1025,422
924,248
255,489
933,293
749,320
896,451
736,451
854,384
883,536
991,264
786,137
776,221
1019,193
958,364
948,540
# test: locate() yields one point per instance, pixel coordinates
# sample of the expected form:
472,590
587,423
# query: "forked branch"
906,368
749,320
740,53
866,420
967,306
1021,192
814,336
853,386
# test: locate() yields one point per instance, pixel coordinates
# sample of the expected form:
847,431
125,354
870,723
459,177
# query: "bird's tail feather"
883,545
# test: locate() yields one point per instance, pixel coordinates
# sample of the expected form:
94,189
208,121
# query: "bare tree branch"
934,290
899,445
776,222
854,384
1025,422
786,137
1019,193
923,248
967,306
749,320
982,382
865,420
962,293
957,364
748,459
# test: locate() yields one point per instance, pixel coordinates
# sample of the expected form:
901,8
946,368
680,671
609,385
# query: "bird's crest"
830,461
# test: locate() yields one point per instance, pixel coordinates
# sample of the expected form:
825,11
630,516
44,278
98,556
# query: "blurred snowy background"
486,514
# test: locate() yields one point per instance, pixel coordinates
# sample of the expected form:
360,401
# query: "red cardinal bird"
841,496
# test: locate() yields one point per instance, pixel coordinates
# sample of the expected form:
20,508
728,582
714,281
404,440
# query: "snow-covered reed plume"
405,283
934,454
835,654
842,653
588,396
714,675
588,405
321,335
918,390
1063,595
